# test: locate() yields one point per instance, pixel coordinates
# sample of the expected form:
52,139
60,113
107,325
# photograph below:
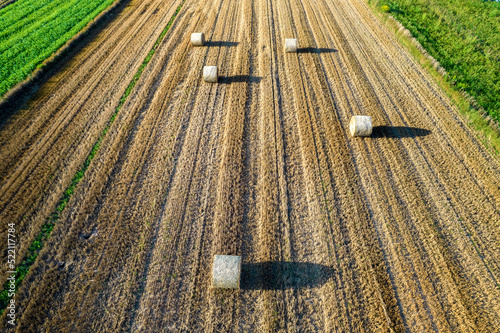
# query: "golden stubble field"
396,232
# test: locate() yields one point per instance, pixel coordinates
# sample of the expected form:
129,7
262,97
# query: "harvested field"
399,231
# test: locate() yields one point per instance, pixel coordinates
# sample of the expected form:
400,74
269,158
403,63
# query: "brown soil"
396,232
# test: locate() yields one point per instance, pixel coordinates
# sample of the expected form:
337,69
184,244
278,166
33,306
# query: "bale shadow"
239,78
398,132
221,43
315,50
278,275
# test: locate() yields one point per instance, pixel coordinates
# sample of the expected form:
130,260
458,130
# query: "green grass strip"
40,240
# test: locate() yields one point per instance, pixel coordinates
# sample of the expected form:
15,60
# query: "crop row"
31,31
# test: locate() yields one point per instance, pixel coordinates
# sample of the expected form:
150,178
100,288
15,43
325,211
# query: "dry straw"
198,39
290,45
226,271
361,126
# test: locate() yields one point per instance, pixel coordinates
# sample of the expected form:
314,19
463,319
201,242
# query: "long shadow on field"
278,275
315,50
398,132
239,78
18,97
220,43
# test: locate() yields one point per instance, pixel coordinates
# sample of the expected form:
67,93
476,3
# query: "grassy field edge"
54,60
5,3
486,128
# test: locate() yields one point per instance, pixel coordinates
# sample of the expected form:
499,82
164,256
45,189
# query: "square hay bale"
198,39
291,45
210,74
226,271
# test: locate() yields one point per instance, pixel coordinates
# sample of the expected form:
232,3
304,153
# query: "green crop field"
32,30
464,36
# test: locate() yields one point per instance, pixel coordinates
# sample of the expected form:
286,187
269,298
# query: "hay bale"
361,126
226,271
198,39
291,45
210,74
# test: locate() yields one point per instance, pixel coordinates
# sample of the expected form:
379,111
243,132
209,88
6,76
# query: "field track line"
36,199
37,249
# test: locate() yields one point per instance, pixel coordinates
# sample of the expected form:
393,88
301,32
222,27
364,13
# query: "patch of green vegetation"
32,30
40,240
490,136
464,36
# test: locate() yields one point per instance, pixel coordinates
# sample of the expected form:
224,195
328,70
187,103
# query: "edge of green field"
35,33
486,125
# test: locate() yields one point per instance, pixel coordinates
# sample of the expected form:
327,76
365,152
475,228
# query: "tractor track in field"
396,232
56,133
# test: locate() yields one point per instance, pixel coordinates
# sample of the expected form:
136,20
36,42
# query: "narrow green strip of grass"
40,240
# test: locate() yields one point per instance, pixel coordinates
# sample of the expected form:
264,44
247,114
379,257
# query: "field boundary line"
37,244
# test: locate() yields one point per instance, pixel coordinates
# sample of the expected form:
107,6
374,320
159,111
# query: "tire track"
70,239
66,153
